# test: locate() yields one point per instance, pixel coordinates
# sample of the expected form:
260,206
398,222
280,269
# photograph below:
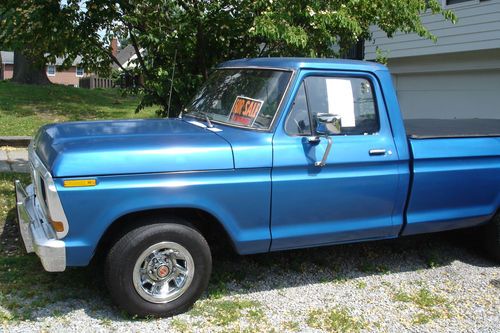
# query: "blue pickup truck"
271,154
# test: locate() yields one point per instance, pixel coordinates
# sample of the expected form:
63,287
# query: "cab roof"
305,63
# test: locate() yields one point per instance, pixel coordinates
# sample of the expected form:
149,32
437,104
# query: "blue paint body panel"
224,194
251,149
262,186
456,183
354,197
130,146
306,63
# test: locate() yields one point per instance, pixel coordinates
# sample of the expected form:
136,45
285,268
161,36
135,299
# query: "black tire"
491,234
122,258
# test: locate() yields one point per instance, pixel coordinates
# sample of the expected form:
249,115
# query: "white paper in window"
341,100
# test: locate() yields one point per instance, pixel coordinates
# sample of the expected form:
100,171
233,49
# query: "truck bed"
445,128
456,180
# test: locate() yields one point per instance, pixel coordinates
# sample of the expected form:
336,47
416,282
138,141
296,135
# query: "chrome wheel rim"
163,272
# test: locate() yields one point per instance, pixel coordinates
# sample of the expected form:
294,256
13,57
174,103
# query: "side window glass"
350,98
298,122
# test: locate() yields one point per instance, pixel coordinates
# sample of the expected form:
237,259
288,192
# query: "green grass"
370,268
24,108
291,326
423,298
432,259
7,212
425,317
361,285
24,285
226,312
334,320
180,325
431,305
401,296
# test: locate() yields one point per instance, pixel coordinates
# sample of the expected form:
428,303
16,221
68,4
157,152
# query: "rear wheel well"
209,226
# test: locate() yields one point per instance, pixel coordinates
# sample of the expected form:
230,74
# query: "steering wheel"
299,128
302,123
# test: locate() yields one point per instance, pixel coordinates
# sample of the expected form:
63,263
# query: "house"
56,74
127,58
7,65
69,77
457,77
124,56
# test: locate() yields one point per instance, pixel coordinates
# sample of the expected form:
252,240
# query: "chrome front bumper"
38,235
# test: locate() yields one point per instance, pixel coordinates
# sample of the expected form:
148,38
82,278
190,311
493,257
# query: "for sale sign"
245,110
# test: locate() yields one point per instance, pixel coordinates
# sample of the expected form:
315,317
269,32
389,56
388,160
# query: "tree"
27,71
310,28
195,35
200,34
31,28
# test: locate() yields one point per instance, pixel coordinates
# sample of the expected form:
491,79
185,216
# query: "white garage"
457,77
449,95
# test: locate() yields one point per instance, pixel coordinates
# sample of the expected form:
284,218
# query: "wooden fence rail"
93,82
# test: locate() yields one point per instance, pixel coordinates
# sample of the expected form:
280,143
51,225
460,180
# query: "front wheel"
159,269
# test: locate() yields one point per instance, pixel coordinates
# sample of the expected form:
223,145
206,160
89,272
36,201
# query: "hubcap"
163,272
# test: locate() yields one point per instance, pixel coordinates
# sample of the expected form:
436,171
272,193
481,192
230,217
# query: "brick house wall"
66,77
7,71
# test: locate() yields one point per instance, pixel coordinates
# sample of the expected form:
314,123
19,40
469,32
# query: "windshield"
243,97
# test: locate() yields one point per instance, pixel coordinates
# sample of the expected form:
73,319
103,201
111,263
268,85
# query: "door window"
298,122
350,98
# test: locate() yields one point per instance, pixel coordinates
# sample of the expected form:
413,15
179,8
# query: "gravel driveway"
421,284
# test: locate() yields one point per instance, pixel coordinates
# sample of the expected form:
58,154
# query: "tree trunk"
201,47
25,71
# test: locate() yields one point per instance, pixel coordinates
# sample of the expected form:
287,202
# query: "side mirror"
328,124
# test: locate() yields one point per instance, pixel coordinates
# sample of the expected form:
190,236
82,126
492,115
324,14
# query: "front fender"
239,199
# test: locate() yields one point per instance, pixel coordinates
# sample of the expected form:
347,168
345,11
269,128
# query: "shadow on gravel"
27,292
344,262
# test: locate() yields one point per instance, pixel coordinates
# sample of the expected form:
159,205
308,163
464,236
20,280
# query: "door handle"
377,152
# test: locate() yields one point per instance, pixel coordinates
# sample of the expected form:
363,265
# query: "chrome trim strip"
37,234
283,69
23,218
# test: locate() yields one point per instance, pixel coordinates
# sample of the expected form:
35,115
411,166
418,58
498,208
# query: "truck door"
356,195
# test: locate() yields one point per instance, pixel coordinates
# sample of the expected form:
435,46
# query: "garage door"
451,95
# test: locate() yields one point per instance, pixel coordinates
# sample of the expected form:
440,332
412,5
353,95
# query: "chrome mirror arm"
325,119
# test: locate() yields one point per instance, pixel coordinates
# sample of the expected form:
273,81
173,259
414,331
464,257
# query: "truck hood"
130,146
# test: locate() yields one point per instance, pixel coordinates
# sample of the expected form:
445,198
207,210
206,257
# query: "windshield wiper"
202,114
209,123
